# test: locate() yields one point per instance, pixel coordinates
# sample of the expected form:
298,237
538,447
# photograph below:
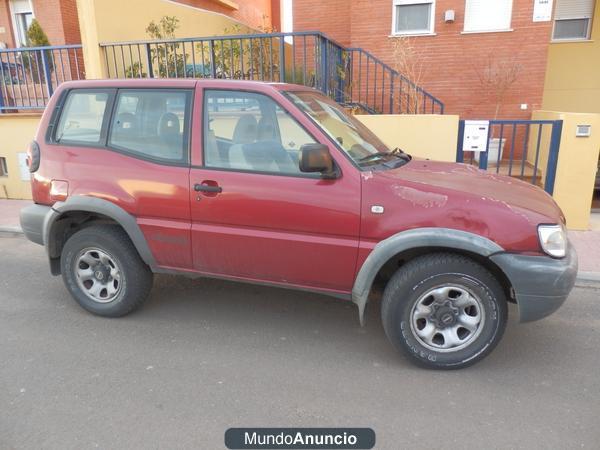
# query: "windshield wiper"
374,155
401,154
398,152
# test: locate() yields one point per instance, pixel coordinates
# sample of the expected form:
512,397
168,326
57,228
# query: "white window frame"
574,10
14,22
495,30
429,32
573,39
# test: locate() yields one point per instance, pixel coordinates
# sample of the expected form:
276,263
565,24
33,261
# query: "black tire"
135,277
409,291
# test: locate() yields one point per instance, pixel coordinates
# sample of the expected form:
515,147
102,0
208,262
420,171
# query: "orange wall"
451,59
254,13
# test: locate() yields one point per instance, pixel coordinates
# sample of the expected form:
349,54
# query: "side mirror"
316,158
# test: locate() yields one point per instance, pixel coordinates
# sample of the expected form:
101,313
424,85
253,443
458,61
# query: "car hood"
472,182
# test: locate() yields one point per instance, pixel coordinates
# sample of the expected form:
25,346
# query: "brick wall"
332,17
58,18
254,13
452,60
5,23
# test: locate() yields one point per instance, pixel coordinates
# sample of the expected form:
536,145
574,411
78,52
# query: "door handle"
207,188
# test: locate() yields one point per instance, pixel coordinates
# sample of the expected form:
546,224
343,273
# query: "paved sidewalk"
9,214
587,243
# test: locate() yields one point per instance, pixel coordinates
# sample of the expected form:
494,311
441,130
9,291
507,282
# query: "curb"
9,229
589,276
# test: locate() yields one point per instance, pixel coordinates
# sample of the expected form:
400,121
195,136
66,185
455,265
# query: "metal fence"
351,76
524,149
28,76
382,89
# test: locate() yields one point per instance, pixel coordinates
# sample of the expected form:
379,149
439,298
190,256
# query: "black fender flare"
412,239
106,208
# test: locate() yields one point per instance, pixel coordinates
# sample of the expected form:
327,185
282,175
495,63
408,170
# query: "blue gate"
524,149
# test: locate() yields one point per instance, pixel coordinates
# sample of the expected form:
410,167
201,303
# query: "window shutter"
574,9
486,15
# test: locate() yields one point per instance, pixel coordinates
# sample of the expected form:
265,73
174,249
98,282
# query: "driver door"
255,216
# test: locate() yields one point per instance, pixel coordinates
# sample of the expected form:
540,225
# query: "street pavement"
205,355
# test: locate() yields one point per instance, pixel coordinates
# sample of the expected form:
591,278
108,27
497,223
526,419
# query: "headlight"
553,239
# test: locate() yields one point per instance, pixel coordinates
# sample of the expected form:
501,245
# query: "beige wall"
103,21
435,137
17,131
576,169
426,136
572,82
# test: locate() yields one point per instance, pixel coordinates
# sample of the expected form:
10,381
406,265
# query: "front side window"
413,17
152,124
573,19
486,15
352,136
82,117
249,131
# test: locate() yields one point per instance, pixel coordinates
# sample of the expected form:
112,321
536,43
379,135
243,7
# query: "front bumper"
541,283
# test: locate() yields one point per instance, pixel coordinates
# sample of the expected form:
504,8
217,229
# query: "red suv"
276,184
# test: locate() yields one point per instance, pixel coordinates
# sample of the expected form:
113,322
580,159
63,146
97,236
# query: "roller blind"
574,9
486,15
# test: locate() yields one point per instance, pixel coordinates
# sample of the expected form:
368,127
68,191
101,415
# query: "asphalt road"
206,355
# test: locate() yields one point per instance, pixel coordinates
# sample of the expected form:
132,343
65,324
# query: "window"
486,15
82,117
152,124
247,131
413,17
572,19
22,16
352,136
3,167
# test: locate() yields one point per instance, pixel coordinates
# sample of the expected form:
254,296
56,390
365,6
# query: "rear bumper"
33,222
541,283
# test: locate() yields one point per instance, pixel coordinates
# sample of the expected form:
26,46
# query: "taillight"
33,157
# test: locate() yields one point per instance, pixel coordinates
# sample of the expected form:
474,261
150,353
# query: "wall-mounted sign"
23,169
542,10
476,135
583,131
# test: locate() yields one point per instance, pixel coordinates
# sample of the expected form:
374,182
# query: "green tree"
168,58
32,60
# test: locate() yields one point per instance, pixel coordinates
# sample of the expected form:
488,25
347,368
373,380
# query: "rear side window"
82,117
152,124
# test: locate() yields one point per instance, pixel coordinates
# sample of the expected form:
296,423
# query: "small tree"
408,61
260,55
168,60
32,60
497,77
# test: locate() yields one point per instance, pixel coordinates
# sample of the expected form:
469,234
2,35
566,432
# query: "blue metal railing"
28,76
525,149
351,76
383,89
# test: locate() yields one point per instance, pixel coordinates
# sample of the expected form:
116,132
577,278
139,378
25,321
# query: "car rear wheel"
103,271
444,311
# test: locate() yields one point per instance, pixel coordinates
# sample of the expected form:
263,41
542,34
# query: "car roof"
174,83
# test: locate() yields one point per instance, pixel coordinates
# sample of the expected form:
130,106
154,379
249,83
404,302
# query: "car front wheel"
444,311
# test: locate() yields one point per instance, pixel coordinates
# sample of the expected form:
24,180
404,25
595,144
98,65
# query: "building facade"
572,82
482,58
58,18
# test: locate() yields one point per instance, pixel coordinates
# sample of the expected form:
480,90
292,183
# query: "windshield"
352,136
